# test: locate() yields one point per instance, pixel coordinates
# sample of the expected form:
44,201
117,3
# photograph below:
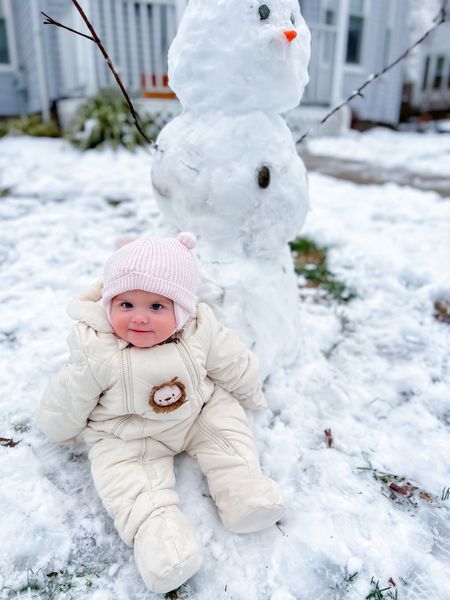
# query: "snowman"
227,168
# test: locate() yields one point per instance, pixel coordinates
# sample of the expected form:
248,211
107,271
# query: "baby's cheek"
119,324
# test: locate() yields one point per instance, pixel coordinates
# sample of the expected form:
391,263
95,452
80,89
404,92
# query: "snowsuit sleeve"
71,395
233,366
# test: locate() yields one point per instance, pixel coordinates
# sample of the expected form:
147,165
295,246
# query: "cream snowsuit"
123,399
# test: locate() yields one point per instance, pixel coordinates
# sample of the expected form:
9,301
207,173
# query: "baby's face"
142,318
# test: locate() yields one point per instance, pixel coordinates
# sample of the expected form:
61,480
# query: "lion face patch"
168,396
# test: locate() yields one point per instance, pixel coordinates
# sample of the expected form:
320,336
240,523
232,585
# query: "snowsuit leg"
135,480
223,443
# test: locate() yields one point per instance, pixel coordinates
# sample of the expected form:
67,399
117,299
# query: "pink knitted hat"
163,266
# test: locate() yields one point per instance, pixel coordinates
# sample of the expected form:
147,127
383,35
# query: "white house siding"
382,99
26,54
29,100
52,48
311,10
11,101
432,98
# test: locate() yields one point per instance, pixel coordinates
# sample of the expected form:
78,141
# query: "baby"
152,374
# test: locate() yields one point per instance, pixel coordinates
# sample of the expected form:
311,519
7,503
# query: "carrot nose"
290,35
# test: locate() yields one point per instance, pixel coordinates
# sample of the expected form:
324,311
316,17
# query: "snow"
226,55
376,371
427,154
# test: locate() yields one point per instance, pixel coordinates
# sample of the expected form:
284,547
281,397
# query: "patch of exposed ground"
361,172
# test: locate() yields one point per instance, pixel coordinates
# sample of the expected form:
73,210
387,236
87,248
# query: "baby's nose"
140,318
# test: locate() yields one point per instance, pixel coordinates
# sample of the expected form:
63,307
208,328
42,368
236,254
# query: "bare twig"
279,527
51,21
94,38
8,442
438,21
329,437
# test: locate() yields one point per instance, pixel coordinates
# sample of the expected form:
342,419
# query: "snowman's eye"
292,19
264,12
264,177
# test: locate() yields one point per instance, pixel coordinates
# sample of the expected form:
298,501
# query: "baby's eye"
292,19
156,306
126,305
264,12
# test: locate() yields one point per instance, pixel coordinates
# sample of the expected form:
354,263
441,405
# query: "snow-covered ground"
376,371
420,154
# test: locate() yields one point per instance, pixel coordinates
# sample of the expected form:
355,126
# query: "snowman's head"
240,55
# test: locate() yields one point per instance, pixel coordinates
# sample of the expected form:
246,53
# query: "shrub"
106,119
29,125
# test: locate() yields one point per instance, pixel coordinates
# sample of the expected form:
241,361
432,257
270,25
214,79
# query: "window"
5,58
355,32
439,72
425,73
329,12
330,17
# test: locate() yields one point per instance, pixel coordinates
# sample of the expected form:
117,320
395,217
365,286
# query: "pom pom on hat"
187,239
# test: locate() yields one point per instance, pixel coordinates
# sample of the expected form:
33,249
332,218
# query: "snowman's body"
228,169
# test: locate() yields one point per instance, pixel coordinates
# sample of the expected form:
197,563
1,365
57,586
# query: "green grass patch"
181,593
54,583
113,201
377,593
311,262
30,125
343,587
5,191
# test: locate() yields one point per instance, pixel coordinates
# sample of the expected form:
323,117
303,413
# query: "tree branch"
438,20
94,38
51,21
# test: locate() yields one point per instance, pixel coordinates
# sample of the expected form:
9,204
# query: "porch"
137,35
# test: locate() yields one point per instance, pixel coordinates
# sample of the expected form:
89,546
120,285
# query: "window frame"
358,67
10,39
389,32
324,9
426,69
439,72
448,73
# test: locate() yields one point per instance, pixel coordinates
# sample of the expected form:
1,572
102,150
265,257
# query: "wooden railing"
137,35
